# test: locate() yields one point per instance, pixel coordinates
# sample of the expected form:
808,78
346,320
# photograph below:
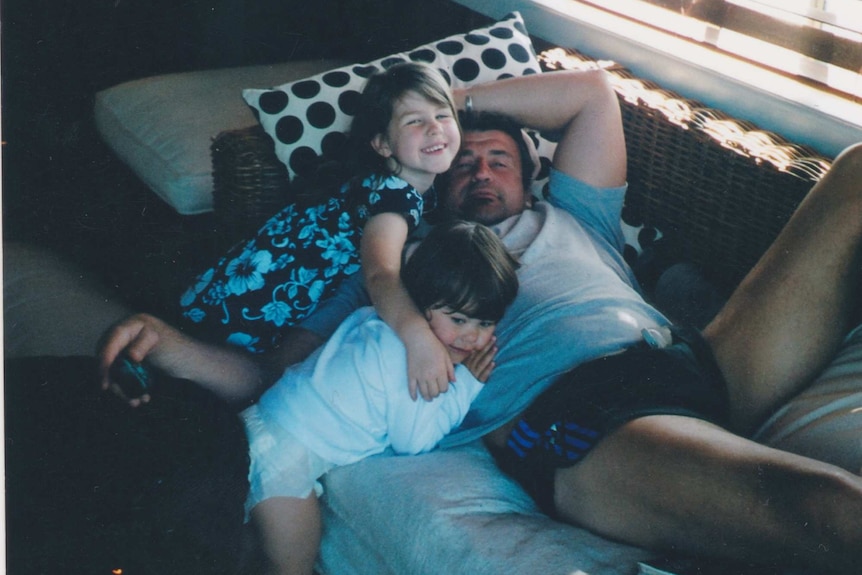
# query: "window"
819,41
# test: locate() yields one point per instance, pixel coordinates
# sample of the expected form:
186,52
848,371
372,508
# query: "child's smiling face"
423,137
460,333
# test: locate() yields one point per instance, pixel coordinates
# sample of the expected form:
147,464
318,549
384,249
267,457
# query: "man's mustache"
475,197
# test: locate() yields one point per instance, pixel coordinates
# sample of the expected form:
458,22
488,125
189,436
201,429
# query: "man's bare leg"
788,316
681,484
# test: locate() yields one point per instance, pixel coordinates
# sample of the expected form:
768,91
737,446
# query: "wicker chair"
720,185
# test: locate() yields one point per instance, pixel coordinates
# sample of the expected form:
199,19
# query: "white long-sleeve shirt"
577,300
350,400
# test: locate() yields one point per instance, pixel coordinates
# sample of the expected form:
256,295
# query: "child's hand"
429,367
481,362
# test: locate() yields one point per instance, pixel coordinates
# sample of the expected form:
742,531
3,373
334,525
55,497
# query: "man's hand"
231,373
481,362
138,337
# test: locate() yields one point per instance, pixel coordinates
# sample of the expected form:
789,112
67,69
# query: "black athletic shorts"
567,420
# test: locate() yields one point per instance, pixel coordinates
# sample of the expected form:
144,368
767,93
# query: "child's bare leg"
785,321
289,529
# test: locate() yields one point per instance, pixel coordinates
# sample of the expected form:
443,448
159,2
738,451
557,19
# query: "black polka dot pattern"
336,79
311,116
288,129
426,55
519,54
348,102
306,89
332,144
273,103
637,236
466,70
321,115
493,58
450,48
302,159
476,39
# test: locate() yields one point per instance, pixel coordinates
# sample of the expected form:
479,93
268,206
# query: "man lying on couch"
666,465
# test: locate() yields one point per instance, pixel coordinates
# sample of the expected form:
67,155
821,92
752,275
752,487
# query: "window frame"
805,46
801,113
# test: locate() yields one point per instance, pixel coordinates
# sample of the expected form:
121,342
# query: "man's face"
485,183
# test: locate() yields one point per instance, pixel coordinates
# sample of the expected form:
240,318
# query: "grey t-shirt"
578,299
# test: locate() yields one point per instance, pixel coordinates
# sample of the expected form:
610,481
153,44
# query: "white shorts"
281,465
825,421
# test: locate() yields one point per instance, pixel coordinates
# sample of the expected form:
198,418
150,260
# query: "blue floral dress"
296,260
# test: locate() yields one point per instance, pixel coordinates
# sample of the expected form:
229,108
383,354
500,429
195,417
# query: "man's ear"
381,146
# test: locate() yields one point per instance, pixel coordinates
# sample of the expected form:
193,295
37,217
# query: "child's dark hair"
463,266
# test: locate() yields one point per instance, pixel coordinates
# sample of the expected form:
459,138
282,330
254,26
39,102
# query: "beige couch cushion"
162,126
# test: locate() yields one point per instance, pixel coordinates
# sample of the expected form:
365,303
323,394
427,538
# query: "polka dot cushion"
311,116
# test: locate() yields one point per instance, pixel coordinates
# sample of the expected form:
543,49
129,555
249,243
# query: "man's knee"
851,156
842,181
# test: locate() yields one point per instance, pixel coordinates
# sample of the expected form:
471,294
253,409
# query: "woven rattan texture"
723,208
249,183
718,186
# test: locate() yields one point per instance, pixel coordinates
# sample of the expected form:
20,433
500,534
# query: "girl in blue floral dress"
403,135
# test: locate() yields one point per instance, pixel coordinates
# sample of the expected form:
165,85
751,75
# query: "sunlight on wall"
729,133
774,102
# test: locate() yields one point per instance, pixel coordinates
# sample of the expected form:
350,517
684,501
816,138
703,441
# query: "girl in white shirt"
347,401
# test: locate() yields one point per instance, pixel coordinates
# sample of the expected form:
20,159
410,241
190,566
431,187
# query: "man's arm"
580,104
230,373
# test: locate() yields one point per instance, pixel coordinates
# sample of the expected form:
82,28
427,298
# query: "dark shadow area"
63,188
91,485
